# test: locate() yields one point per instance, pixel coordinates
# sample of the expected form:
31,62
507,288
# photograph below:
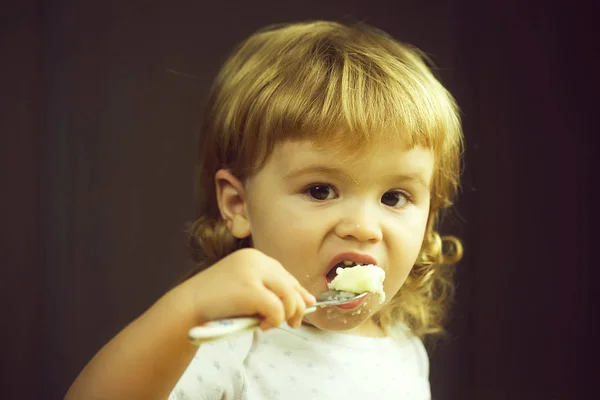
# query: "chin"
335,319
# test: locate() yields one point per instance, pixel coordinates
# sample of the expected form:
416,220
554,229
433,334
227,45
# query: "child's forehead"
299,159
342,148
289,153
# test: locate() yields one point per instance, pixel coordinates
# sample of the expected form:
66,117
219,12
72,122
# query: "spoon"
222,328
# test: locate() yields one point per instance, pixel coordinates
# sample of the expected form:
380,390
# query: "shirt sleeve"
408,340
216,371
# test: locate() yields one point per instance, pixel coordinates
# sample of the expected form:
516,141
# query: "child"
322,143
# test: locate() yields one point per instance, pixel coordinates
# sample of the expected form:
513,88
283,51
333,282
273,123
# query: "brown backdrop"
99,109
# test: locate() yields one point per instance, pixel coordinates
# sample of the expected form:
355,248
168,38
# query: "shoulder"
412,346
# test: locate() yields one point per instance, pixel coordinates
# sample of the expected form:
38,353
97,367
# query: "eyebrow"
316,169
416,177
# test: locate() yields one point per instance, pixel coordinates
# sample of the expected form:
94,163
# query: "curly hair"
314,80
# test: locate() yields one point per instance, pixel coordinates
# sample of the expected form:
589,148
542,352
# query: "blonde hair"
312,81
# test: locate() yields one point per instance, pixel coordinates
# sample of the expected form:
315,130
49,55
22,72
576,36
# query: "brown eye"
321,192
394,199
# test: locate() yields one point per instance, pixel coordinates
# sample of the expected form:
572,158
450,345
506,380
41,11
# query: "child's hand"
247,282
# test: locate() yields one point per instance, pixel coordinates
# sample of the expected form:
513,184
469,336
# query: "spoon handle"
222,328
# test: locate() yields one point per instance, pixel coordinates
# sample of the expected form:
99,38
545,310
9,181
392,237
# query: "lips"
353,304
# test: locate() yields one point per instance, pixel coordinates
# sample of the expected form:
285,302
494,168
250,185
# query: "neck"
368,328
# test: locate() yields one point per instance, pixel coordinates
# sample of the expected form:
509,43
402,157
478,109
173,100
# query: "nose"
359,223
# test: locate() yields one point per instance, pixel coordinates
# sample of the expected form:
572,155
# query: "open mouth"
356,274
331,276
333,271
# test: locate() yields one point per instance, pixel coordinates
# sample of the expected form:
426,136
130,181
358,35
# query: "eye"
395,199
321,192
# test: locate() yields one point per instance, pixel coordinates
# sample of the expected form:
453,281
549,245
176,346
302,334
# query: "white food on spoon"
360,279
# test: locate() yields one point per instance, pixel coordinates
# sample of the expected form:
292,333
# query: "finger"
265,325
287,293
296,320
307,297
270,307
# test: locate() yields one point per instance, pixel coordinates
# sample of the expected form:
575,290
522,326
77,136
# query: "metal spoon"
232,326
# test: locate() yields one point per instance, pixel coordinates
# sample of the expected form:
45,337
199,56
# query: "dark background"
100,102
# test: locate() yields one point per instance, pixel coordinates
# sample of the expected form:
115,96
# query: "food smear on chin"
360,279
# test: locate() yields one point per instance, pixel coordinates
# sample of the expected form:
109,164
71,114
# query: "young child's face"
310,206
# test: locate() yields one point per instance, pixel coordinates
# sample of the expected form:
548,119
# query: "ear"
232,203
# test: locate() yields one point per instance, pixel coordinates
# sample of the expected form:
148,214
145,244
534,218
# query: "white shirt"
307,363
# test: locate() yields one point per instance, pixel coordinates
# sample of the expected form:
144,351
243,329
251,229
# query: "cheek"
395,279
404,251
284,235
272,224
